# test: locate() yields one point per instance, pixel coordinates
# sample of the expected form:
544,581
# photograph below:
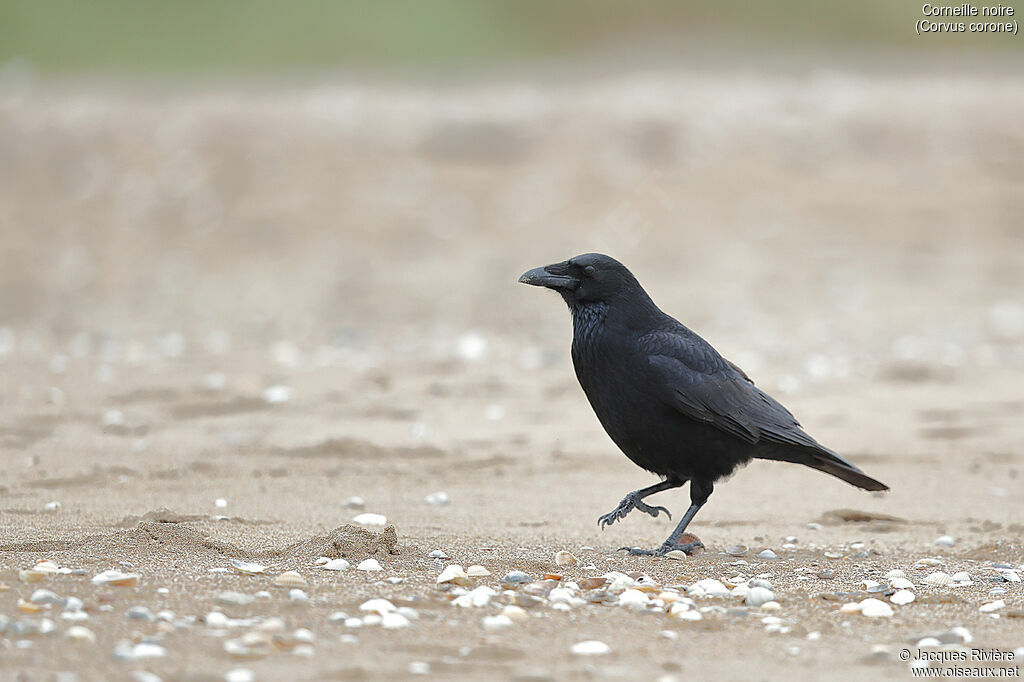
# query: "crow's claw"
688,548
629,503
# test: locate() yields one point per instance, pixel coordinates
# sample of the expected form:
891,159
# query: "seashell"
297,595
708,587
962,579
901,584
116,578
850,607
31,607
757,596
902,597
369,565
32,576
551,576
336,565
247,568
590,647
564,558
368,519
46,566
938,579
834,555
290,579
593,583
438,499
354,502
683,611
515,612
80,633
875,608
677,554
438,554
771,606
930,562
499,622
380,606
453,573
895,573
634,599
945,541
513,579
477,571
736,550
992,606
767,555
394,621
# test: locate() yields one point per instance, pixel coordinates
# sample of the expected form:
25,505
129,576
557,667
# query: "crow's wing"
698,382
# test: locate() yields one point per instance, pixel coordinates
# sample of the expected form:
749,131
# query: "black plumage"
669,400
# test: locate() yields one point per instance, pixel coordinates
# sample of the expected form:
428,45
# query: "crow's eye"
589,270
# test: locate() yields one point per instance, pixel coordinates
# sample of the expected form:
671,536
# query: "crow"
668,400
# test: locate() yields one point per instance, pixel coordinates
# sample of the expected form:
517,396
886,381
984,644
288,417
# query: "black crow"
671,403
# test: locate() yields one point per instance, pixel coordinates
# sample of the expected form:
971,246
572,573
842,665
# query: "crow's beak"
543,277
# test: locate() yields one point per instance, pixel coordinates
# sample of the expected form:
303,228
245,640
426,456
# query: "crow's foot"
689,548
629,503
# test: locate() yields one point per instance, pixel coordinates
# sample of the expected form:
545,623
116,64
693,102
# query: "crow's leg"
700,491
635,500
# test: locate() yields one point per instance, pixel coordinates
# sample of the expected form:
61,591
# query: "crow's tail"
824,460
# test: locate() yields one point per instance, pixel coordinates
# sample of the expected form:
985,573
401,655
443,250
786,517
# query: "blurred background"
825,195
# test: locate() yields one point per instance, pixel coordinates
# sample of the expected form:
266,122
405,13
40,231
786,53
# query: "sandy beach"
226,312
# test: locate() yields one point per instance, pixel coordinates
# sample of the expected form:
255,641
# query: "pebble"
758,596
368,519
276,395
590,647
419,668
297,595
394,621
240,675
369,565
336,565
438,499
140,613
354,502
767,555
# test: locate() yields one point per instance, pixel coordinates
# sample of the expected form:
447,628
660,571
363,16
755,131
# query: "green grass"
67,36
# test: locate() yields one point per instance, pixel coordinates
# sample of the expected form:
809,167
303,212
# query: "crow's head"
590,278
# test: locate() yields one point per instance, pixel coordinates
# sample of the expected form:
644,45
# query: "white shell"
290,579
564,558
901,584
758,596
369,565
477,571
380,606
895,573
708,587
515,612
393,621
498,622
369,519
453,573
938,579
875,608
945,541
633,599
590,647
902,597
962,579
117,578
771,606
850,607
992,606
247,567
336,565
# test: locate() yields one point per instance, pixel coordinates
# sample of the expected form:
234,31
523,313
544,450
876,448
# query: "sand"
283,297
